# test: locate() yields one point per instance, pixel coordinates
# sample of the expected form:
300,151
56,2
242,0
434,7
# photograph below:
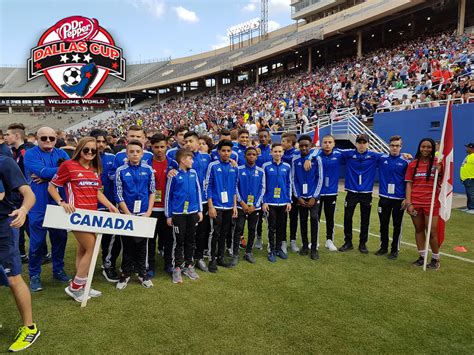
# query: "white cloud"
186,15
275,6
251,7
223,42
155,7
273,25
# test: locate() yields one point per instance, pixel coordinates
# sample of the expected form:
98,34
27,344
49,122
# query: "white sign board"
99,222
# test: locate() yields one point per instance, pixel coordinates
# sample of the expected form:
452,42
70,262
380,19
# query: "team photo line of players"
201,198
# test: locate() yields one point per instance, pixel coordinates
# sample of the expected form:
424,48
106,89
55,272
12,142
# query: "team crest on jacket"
76,55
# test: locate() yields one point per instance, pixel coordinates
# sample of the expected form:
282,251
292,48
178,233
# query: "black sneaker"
46,259
434,264
250,258
201,265
314,254
346,247
381,251
418,262
363,249
393,255
234,261
223,262
212,267
304,251
110,274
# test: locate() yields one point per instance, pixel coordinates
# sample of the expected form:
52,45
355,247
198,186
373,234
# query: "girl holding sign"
80,176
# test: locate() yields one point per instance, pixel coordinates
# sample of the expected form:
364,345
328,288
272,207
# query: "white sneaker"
229,250
284,246
145,283
330,245
259,243
123,282
94,293
77,295
294,247
470,211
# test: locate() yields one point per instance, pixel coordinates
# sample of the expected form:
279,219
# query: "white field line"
409,244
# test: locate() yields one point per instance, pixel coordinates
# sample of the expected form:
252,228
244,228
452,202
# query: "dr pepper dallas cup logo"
76,55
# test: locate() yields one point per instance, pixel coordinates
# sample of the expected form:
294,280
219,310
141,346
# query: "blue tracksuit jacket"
250,186
265,155
107,160
182,188
121,158
307,184
392,171
215,155
134,183
240,150
331,166
221,178
44,165
277,176
361,168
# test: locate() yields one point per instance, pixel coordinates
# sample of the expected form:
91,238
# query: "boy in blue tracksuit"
135,194
241,147
110,245
201,162
250,191
288,142
306,189
264,156
361,166
180,132
331,159
183,210
41,164
277,201
392,169
221,185
224,134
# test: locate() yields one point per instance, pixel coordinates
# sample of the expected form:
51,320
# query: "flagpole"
433,194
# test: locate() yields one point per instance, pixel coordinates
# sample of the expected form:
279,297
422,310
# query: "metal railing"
417,105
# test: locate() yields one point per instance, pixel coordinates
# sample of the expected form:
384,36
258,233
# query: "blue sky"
145,29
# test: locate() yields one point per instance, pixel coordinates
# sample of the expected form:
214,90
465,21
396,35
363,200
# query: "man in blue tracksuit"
264,156
331,159
250,191
360,177
306,189
135,194
183,210
277,201
392,169
221,185
41,164
111,245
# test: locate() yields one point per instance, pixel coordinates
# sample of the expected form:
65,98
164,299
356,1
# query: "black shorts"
9,253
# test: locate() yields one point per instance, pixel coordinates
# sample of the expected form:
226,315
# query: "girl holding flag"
420,178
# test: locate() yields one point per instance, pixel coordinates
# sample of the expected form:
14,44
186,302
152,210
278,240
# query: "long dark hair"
432,156
96,163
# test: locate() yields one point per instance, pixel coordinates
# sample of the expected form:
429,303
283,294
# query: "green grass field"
343,303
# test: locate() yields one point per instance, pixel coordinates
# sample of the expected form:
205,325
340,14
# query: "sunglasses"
89,150
46,138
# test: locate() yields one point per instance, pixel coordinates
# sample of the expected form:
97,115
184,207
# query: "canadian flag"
316,136
446,192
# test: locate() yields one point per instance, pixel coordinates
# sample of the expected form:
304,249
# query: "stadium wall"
414,125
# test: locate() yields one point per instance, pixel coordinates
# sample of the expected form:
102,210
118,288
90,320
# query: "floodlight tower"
263,18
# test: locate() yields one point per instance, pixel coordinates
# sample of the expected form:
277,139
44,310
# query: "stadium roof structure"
209,64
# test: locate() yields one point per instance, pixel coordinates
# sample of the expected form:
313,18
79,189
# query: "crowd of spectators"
426,69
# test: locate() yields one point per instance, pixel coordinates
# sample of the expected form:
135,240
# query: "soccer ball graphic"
72,76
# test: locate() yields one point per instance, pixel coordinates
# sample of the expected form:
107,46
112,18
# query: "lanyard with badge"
277,189
391,167
186,202
305,184
224,195
159,193
250,196
137,204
